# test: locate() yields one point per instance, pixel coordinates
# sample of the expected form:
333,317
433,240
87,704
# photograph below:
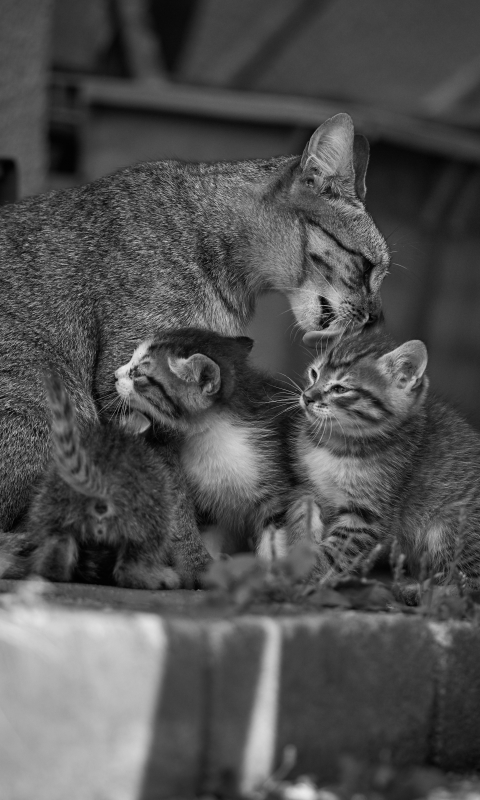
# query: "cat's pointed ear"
330,150
136,423
245,342
406,364
361,154
199,369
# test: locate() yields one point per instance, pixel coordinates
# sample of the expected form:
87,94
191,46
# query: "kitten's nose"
307,398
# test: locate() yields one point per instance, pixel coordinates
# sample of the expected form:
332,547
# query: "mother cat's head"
339,259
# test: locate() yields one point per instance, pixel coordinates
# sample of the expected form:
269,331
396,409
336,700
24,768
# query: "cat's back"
448,457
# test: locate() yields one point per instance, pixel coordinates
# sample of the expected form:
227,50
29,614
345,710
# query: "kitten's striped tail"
73,463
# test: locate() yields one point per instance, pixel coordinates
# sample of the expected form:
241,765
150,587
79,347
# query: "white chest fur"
222,464
335,479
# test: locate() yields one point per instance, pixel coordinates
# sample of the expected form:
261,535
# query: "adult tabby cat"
87,273
199,387
383,457
108,510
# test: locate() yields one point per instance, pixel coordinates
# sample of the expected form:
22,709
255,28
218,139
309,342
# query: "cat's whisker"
299,388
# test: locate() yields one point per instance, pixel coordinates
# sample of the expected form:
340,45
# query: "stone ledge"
136,706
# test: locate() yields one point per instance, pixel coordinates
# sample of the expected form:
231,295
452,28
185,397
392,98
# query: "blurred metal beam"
456,89
377,123
253,54
141,45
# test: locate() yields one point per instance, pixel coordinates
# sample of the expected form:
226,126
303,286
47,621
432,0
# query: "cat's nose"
373,318
307,398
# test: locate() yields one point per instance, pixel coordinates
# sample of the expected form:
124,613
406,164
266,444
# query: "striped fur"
73,463
110,508
199,386
88,272
383,458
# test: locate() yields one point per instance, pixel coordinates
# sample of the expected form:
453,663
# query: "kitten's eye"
339,389
138,374
313,375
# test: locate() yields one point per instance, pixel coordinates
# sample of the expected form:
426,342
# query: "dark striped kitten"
108,509
199,386
383,457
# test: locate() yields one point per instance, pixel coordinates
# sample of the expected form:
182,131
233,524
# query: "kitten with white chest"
109,509
198,385
384,458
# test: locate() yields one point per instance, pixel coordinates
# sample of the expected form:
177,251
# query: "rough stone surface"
237,653
120,705
174,765
77,694
356,684
456,736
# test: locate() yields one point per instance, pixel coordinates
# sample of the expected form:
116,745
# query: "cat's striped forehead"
350,350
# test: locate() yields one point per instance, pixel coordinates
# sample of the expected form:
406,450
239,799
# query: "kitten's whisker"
299,388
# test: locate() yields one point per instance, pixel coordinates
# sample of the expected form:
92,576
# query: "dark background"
88,86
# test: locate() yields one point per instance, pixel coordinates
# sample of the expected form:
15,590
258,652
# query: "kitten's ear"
199,369
136,423
406,365
245,342
361,154
330,149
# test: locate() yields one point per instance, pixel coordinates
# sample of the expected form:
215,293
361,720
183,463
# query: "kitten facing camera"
107,510
198,386
383,457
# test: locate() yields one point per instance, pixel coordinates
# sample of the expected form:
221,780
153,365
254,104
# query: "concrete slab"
100,700
456,736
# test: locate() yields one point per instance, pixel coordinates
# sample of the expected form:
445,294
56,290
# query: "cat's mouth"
312,408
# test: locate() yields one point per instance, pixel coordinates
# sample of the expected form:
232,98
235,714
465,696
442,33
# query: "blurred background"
89,86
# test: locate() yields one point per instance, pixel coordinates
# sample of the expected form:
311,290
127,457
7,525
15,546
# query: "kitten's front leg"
349,541
139,567
304,523
55,558
187,550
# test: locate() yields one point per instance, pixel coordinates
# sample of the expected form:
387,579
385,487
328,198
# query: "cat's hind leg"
24,451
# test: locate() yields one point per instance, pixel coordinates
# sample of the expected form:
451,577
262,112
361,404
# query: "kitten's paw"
168,579
272,543
55,559
143,576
